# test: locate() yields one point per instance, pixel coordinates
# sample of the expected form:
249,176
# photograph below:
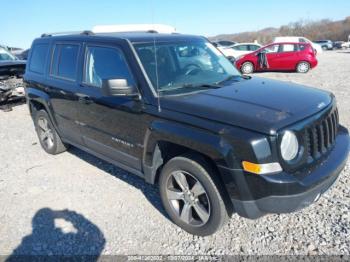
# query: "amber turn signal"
261,168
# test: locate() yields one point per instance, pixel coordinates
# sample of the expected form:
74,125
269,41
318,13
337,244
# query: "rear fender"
38,96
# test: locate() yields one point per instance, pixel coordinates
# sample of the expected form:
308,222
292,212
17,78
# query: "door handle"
85,100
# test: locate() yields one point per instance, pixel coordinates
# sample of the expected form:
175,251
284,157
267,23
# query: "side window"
272,49
253,47
65,58
288,48
302,47
241,47
38,58
105,63
302,40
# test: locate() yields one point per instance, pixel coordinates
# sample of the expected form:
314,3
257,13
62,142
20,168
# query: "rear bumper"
313,63
285,192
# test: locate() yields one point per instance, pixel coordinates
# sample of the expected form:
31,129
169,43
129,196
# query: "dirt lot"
76,203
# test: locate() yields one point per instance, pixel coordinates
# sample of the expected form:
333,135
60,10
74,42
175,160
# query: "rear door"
288,55
62,88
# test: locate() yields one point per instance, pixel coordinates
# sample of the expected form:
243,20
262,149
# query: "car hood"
257,104
9,68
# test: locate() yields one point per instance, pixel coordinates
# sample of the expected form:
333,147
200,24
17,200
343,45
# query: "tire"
324,48
200,209
247,68
303,67
48,137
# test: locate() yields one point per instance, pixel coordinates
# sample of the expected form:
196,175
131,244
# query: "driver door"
272,57
113,127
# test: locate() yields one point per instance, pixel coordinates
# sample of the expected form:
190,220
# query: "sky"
22,21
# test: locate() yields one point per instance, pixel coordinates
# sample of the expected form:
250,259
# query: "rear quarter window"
302,47
38,58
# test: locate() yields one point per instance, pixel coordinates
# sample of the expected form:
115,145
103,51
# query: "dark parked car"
23,55
325,44
338,44
224,43
215,141
11,73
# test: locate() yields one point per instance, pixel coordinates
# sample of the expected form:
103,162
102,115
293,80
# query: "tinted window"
65,61
226,43
105,63
253,47
302,47
38,58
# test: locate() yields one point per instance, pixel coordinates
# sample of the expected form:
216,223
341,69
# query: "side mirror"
118,87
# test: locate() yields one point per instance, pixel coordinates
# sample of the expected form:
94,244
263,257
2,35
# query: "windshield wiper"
232,77
215,85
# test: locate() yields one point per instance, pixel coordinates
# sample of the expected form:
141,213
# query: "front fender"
209,144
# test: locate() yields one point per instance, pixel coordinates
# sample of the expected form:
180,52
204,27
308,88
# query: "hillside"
322,29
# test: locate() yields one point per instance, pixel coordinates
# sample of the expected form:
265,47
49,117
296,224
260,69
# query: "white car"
346,44
298,39
237,50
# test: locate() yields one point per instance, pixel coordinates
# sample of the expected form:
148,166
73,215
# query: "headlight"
289,146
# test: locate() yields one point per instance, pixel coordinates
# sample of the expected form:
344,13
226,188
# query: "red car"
299,57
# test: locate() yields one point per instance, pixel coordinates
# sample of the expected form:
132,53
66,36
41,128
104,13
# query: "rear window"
65,58
38,58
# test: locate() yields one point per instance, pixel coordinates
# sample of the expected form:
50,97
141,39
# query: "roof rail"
85,32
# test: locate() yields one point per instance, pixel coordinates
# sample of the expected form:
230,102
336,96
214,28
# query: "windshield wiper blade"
232,77
215,85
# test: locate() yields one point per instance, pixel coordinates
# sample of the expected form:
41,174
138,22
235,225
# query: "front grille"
320,137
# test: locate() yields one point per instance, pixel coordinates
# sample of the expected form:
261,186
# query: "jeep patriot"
173,110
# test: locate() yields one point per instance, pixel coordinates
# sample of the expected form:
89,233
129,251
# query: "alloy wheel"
303,67
247,68
45,133
188,198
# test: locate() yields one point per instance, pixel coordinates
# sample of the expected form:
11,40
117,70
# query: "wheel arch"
39,100
164,141
250,61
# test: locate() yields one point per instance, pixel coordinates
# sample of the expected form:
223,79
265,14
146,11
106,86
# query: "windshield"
6,55
177,67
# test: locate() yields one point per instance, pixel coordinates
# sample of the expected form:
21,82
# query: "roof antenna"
155,59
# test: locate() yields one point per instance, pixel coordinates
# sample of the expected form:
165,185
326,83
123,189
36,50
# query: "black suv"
173,110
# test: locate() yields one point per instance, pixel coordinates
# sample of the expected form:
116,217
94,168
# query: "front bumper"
256,195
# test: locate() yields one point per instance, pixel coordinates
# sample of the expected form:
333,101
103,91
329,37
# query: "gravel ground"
76,203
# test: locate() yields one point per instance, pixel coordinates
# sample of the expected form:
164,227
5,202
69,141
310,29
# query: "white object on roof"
165,29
